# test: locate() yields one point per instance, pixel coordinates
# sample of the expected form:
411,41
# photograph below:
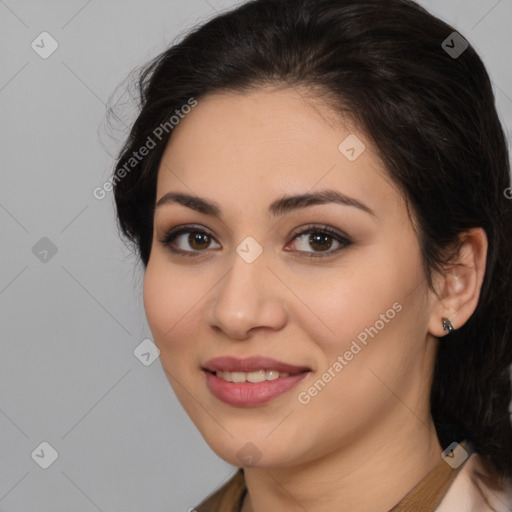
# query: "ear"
458,287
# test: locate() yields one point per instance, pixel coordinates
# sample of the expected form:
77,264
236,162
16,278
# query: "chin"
256,452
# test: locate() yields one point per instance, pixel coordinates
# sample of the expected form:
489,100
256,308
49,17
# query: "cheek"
158,304
368,319
174,300
168,299
346,394
355,302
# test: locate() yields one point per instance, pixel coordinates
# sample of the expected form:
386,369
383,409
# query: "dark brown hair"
432,116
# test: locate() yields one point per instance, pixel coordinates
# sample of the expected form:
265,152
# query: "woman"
316,189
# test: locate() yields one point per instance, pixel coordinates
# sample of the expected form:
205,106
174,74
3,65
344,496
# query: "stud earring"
447,325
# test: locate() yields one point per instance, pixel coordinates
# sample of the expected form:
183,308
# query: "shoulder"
476,489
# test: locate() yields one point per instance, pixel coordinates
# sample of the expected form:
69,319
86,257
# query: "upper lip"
250,364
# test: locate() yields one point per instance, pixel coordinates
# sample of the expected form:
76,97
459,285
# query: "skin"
370,427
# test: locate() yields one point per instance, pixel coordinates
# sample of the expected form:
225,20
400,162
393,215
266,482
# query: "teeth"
238,376
272,375
257,376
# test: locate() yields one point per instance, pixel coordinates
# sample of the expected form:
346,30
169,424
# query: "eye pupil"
196,237
320,239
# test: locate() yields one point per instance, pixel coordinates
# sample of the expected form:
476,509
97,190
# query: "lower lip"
247,394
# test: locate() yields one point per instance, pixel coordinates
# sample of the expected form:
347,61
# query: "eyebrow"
280,206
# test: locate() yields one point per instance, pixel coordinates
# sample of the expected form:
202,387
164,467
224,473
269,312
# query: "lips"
238,382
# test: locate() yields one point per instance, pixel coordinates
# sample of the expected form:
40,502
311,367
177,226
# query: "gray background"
70,324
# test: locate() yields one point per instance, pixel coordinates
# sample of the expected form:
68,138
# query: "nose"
249,297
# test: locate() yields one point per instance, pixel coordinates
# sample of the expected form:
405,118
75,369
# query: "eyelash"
172,234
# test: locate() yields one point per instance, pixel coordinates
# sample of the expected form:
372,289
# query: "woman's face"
247,284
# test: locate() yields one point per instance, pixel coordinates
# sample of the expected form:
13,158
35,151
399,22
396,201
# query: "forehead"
263,124
257,145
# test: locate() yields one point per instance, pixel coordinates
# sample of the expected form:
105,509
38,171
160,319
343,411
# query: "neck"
372,474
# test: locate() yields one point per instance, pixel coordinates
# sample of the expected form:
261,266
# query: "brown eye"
321,239
321,242
194,244
199,240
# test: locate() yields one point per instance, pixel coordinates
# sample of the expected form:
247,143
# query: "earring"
447,325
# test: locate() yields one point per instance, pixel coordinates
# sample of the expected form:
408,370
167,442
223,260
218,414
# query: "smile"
251,381
257,376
